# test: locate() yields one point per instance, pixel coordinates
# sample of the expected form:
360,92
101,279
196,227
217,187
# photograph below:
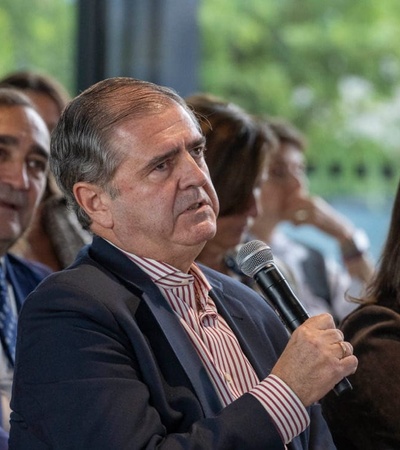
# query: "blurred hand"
313,361
306,210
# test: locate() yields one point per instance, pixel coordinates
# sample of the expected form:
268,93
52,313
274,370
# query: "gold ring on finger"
344,349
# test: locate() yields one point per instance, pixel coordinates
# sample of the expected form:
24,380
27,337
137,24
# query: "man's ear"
95,201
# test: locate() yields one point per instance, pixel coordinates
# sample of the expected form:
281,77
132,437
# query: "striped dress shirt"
219,349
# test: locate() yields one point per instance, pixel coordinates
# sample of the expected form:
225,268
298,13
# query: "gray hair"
82,145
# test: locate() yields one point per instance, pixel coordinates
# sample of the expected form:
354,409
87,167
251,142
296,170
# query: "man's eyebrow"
7,139
197,142
154,162
159,159
39,150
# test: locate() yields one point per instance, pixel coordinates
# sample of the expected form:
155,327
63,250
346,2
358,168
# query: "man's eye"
3,154
37,165
161,166
198,152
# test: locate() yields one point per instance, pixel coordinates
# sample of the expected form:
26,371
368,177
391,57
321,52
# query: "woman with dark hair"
368,417
238,146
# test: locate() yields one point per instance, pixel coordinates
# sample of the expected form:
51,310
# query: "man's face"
24,152
167,206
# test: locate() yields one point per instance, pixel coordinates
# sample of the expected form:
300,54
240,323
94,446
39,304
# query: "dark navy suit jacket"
3,439
103,363
24,276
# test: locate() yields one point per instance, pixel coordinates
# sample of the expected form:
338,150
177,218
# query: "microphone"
255,260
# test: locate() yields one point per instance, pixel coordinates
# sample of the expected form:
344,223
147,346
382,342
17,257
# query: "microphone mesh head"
253,256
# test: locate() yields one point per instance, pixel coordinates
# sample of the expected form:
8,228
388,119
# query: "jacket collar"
134,279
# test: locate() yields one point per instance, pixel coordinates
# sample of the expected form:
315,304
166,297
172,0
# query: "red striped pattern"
218,348
287,411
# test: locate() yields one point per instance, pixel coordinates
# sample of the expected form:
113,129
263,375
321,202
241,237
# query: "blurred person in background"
46,93
368,417
24,153
55,236
238,151
321,283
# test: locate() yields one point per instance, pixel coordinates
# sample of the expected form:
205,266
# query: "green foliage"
39,35
330,68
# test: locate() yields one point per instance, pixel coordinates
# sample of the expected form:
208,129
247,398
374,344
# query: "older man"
135,346
24,153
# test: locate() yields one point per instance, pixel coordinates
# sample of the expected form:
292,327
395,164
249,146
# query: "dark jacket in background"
368,417
24,276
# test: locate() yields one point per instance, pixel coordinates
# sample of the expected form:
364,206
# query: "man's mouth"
5,204
195,206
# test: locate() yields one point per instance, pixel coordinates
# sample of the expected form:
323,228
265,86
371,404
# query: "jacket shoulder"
27,268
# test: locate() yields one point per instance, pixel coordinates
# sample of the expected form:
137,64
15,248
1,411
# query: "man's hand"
315,359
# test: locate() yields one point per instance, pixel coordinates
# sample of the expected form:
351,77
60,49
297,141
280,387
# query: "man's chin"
202,234
208,231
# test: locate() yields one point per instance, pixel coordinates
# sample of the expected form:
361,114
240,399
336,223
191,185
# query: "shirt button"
227,377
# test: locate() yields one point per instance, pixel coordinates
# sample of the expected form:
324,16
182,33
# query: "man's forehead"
172,118
7,111
24,121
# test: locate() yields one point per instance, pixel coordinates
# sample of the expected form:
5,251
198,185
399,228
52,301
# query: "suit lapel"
184,352
233,319
160,312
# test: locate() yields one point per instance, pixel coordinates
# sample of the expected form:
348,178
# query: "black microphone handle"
289,309
281,297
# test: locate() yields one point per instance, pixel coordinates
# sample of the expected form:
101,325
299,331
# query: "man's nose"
16,175
192,174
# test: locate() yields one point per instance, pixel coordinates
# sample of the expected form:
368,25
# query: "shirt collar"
160,271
